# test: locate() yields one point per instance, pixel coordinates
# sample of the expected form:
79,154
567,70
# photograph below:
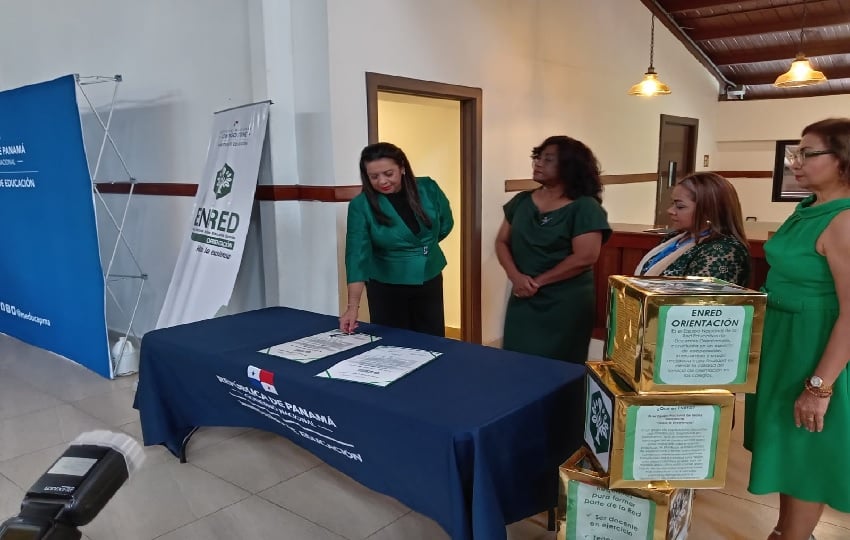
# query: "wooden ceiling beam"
789,25
687,5
741,6
831,73
783,52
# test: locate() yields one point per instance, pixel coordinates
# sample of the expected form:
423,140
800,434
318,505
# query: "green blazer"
392,253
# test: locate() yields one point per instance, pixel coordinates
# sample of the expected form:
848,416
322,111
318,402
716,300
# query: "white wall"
300,239
546,67
772,119
631,203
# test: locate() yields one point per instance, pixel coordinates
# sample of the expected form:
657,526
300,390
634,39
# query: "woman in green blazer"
392,244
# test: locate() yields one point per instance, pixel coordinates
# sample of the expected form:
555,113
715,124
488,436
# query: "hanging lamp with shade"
801,72
651,85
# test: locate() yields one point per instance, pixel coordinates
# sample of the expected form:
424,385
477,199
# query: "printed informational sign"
51,279
670,442
595,512
703,345
212,249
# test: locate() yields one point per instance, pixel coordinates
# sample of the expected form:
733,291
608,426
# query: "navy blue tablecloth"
472,439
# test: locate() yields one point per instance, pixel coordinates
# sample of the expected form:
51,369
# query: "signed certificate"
318,346
380,366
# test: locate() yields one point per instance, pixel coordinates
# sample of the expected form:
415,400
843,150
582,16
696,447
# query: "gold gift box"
667,440
668,334
588,509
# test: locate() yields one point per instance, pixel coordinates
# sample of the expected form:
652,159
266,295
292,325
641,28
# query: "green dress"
724,258
802,308
558,320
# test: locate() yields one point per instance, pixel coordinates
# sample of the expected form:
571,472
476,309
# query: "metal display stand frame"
109,278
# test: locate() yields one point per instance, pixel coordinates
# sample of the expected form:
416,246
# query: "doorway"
407,99
677,153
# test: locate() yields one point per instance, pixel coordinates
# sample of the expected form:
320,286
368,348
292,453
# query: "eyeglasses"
548,160
800,156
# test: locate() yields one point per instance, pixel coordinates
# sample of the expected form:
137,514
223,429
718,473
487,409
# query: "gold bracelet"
817,392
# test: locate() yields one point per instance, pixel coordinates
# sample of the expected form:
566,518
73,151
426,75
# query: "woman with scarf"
709,239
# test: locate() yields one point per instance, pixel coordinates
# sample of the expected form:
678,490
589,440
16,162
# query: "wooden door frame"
470,178
665,120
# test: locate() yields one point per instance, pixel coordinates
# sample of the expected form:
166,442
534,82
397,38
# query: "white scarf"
662,263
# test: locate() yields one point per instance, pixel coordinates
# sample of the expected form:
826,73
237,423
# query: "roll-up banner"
214,240
51,279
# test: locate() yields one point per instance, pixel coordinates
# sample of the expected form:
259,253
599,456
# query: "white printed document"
311,348
380,366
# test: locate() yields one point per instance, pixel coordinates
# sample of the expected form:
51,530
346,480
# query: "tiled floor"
250,484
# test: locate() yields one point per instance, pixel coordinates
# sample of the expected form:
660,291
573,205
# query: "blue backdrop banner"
51,280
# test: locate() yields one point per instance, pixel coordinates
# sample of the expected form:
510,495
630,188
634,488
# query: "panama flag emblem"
262,379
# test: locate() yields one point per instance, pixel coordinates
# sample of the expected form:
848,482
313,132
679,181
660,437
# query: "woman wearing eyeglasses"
548,243
709,238
798,421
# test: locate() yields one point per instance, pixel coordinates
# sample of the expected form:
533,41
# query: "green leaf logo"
223,182
600,423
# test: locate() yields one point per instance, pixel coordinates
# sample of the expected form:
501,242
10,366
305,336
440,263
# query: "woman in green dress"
547,244
798,422
709,239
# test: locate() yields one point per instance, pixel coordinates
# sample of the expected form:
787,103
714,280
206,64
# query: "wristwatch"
817,382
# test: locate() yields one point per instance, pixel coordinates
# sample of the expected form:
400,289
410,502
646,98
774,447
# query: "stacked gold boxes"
659,408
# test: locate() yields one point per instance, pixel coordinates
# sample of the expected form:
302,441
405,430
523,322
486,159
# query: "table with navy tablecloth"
472,439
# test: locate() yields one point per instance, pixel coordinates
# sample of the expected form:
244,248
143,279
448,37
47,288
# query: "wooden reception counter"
629,243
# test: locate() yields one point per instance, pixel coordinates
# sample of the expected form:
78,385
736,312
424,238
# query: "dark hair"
382,150
835,133
717,205
578,168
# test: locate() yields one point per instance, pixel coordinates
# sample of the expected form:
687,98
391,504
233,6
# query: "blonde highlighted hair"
718,209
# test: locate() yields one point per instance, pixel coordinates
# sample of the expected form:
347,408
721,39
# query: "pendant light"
801,72
650,85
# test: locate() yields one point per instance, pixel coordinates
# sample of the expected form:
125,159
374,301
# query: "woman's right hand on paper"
348,320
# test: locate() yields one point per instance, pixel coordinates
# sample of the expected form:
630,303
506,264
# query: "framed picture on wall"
785,186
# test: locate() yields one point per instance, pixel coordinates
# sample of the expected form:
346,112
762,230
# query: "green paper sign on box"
587,508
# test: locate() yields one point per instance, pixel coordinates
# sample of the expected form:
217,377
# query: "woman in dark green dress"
797,423
547,244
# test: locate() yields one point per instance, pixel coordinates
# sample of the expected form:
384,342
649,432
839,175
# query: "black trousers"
413,307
